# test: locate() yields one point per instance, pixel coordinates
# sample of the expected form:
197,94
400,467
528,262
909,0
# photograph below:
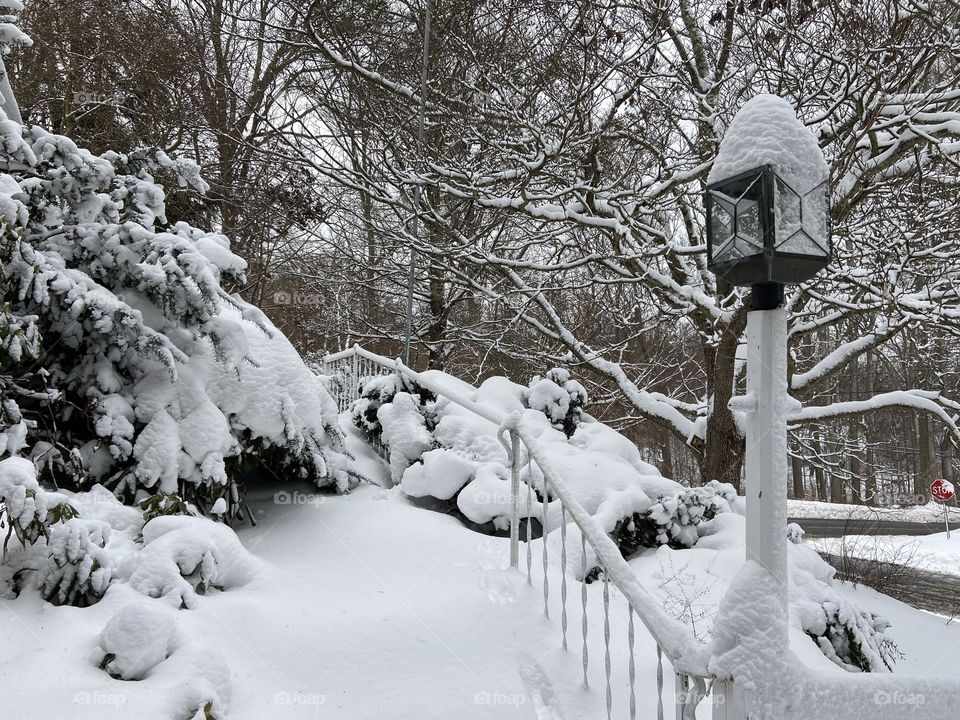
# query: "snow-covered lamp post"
767,206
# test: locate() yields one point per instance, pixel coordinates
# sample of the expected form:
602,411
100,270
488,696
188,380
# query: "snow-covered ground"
933,553
365,606
930,513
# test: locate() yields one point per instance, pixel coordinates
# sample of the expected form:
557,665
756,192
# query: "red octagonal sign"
942,490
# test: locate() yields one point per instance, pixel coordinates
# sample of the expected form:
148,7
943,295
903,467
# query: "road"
838,527
931,591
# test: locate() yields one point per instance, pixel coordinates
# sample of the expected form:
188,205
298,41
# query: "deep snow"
368,607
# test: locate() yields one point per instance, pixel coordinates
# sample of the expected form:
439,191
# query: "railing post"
515,499
727,701
356,376
680,694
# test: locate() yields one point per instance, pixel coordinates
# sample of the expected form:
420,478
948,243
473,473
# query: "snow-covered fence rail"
674,640
688,658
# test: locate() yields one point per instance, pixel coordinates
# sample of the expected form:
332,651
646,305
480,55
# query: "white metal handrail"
674,640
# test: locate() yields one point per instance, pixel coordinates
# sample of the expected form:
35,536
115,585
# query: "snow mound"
766,131
185,556
440,473
487,498
138,638
198,678
404,432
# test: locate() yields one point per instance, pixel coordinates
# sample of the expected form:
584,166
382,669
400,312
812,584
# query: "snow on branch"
847,352
926,400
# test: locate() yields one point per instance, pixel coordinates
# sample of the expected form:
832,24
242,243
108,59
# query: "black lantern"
764,233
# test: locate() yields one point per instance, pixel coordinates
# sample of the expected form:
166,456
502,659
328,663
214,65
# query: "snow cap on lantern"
768,198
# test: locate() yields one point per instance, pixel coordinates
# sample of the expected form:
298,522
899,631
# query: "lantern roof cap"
766,131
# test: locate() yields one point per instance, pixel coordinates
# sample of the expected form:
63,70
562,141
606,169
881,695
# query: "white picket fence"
675,643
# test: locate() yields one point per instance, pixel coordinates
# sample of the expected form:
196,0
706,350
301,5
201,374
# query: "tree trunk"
666,458
926,455
946,458
796,466
439,313
869,456
838,493
724,448
818,472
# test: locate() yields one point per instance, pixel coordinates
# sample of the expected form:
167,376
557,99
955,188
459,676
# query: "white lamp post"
767,206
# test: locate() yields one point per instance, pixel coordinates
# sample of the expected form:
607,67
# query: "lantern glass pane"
748,221
787,210
727,251
802,244
721,220
816,212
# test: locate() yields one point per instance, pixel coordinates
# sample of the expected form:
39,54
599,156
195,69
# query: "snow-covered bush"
559,398
26,509
163,381
852,638
439,473
795,533
72,547
379,390
674,520
78,569
404,432
138,638
184,556
163,504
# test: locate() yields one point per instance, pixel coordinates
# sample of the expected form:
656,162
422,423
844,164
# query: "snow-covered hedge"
379,390
558,397
119,317
440,450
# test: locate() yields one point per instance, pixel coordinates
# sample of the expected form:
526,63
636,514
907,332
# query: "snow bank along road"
838,527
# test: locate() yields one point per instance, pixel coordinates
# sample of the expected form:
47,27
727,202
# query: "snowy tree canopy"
565,162
120,318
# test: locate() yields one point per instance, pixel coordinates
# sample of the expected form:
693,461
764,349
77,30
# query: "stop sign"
942,490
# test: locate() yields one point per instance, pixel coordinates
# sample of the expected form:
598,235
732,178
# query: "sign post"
943,492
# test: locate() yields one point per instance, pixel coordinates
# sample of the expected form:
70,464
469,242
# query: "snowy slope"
933,553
